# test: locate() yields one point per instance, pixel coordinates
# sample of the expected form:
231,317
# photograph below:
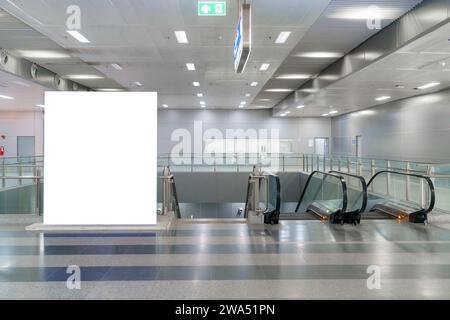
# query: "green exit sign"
212,8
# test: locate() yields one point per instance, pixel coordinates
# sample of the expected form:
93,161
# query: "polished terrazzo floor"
295,260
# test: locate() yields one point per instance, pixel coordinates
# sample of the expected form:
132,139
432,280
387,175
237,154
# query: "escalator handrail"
278,203
363,184
426,178
341,179
175,196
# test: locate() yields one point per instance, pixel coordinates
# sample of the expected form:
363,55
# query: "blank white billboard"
100,158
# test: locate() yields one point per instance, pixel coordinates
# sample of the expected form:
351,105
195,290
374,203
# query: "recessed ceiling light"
382,98
309,90
165,106
83,77
116,66
247,94
294,76
202,102
78,36
400,86
282,37
203,106
279,90
181,36
319,55
241,106
243,102
137,84
254,84
190,66
6,97
428,85
199,94
366,13
42,54
196,84
264,67
300,106
283,115
265,100
287,112
40,106
334,112
325,115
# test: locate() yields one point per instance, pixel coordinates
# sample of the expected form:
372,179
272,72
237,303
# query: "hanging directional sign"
212,8
243,39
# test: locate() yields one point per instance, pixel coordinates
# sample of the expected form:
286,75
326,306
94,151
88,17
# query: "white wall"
21,123
298,129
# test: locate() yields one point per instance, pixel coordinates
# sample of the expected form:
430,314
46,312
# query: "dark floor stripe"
138,273
226,249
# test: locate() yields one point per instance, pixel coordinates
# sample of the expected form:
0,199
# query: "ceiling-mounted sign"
243,39
212,8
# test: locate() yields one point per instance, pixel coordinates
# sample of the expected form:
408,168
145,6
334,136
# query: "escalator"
324,197
263,200
401,196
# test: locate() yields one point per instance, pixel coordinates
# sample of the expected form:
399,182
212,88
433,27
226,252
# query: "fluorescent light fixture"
264,67
283,115
309,90
40,106
241,106
243,102
382,98
190,66
247,94
196,84
202,102
78,36
83,77
109,90
165,106
279,90
137,84
42,54
366,13
254,84
199,94
323,55
294,76
116,66
203,105
282,37
334,112
325,115
181,36
265,100
300,106
287,112
429,85
6,97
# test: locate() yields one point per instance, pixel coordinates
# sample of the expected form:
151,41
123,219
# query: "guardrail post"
388,179
408,182
372,171
339,164
348,166
283,164
3,174
307,163
20,174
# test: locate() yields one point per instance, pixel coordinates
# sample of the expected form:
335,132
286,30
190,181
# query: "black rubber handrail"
344,189
175,197
427,179
363,184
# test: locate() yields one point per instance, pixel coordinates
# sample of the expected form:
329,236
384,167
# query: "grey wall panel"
300,130
416,128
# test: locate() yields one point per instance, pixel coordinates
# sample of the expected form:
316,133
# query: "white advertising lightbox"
100,158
